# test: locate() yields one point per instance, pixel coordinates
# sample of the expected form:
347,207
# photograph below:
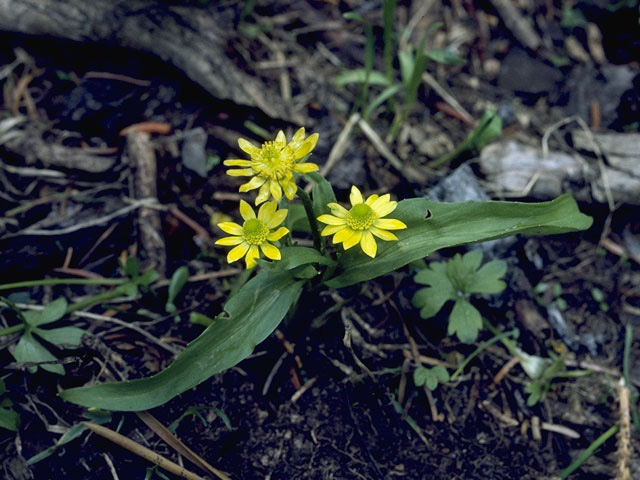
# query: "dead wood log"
143,159
191,38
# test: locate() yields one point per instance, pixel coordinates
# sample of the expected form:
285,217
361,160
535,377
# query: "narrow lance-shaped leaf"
251,315
452,224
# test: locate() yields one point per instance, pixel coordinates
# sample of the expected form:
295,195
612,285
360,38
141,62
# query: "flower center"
272,161
361,217
254,231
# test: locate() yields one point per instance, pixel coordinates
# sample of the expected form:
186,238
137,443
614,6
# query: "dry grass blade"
143,452
624,435
175,443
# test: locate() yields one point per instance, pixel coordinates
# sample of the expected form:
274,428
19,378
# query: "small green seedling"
178,281
412,64
598,296
30,350
539,387
456,280
195,411
543,294
94,415
9,418
131,268
489,128
430,377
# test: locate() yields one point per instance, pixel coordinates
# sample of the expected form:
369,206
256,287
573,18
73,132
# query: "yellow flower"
254,234
362,222
272,166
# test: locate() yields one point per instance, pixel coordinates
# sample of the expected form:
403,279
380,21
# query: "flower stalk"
313,223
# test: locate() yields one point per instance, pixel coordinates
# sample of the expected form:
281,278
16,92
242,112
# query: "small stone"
194,154
491,68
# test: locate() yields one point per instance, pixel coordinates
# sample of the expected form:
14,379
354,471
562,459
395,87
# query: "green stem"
87,302
497,338
511,346
102,297
308,208
63,281
13,329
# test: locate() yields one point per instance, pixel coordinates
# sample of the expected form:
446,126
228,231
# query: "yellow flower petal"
371,199
252,254
354,239
246,211
382,206
297,138
241,172
277,218
342,235
368,244
236,162
266,211
338,210
248,147
305,167
331,220
229,241
263,194
355,197
252,184
281,140
331,229
290,189
237,252
275,189
230,227
306,147
278,234
389,224
383,234
270,251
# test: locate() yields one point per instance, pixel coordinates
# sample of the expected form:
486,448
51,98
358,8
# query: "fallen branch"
191,38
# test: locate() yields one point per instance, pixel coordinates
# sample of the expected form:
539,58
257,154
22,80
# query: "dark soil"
351,422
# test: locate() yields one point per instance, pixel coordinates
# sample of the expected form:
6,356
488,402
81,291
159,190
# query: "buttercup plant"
420,226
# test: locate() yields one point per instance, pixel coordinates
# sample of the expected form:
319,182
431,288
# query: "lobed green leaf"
465,321
488,278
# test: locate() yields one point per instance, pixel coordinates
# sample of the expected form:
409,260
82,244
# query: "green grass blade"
588,452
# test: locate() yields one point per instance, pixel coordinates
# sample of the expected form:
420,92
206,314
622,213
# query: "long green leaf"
452,224
360,75
251,315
